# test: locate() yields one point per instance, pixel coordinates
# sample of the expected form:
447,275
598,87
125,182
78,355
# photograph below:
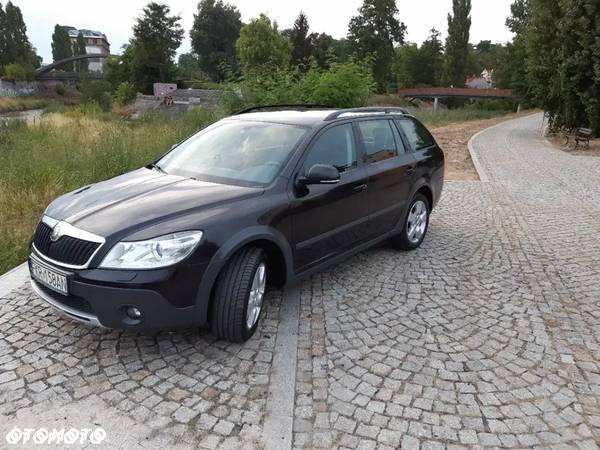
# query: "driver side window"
334,147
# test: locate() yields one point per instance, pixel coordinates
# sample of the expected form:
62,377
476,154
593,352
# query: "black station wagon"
262,197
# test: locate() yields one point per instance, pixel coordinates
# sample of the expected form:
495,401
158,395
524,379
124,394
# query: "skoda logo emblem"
57,232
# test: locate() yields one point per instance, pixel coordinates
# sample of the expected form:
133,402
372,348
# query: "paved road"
488,335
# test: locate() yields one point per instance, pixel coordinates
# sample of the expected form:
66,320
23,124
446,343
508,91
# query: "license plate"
48,277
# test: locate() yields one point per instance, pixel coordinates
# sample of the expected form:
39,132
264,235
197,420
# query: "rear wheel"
239,294
415,225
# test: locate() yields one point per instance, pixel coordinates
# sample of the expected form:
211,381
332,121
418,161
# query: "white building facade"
95,43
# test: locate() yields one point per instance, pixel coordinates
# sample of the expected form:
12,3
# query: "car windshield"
237,152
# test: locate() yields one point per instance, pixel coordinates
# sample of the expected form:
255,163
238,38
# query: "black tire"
231,295
403,241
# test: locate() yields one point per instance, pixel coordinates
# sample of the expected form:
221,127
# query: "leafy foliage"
261,47
14,43
373,32
457,43
156,37
342,85
301,42
125,93
96,92
420,66
214,34
61,46
17,72
554,59
82,65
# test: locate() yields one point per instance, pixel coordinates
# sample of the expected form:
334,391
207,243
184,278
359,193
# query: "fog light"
134,313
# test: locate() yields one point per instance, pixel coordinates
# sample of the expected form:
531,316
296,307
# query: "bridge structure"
48,72
436,93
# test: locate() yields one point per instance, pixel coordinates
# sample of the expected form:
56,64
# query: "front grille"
66,250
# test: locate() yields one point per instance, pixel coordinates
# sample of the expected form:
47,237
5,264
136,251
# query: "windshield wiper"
157,167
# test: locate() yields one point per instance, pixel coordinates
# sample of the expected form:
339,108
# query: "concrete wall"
183,100
26,88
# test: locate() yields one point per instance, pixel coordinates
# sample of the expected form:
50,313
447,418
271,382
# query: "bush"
98,92
263,88
17,72
60,89
344,85
125,93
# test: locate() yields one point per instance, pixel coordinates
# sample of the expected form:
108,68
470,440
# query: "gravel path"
488,335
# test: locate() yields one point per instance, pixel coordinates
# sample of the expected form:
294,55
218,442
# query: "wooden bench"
579,135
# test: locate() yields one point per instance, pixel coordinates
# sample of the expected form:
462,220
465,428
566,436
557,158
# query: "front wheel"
239,294
415,225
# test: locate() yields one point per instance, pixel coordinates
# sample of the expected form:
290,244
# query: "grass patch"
14,104
447,116
67,150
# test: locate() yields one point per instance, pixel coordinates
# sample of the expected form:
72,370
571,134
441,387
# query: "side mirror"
320,174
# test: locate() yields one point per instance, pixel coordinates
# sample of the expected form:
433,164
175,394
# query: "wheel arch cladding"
279,260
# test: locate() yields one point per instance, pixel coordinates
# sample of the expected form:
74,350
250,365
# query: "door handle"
360,188
411,169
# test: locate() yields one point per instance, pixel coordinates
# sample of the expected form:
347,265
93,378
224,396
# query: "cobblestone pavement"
488,335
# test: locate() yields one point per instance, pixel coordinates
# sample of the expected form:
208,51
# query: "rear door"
390,168
330,219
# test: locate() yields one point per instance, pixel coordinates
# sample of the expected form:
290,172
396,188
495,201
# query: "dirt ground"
453,139
559,141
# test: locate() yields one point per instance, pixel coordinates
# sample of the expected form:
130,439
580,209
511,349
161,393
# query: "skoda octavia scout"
260,198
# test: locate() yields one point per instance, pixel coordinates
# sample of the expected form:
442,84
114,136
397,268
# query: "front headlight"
152,254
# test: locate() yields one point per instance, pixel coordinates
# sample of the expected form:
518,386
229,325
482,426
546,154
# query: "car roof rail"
367,110
297,106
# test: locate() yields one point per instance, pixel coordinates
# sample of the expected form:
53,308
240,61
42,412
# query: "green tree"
14,42
79,49
563,60
511,71
431,60
261,46
61,46
156,37
301,42
373,32
405,65
17,72
519,15
321,48
214,34
3,39
420,66
188,66
119,67
457,43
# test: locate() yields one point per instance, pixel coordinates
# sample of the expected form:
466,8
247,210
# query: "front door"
329,219
390,169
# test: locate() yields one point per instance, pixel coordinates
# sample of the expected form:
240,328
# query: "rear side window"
417,135
334,147
378,139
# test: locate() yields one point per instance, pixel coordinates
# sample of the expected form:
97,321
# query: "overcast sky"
116,17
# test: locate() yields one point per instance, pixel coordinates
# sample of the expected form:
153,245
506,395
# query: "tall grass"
12,104
67,150
446,116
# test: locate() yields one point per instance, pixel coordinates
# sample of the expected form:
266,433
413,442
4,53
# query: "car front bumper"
101,297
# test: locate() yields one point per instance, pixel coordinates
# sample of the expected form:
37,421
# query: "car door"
390,169
330,218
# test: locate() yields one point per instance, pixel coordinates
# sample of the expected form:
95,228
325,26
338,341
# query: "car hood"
138,199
